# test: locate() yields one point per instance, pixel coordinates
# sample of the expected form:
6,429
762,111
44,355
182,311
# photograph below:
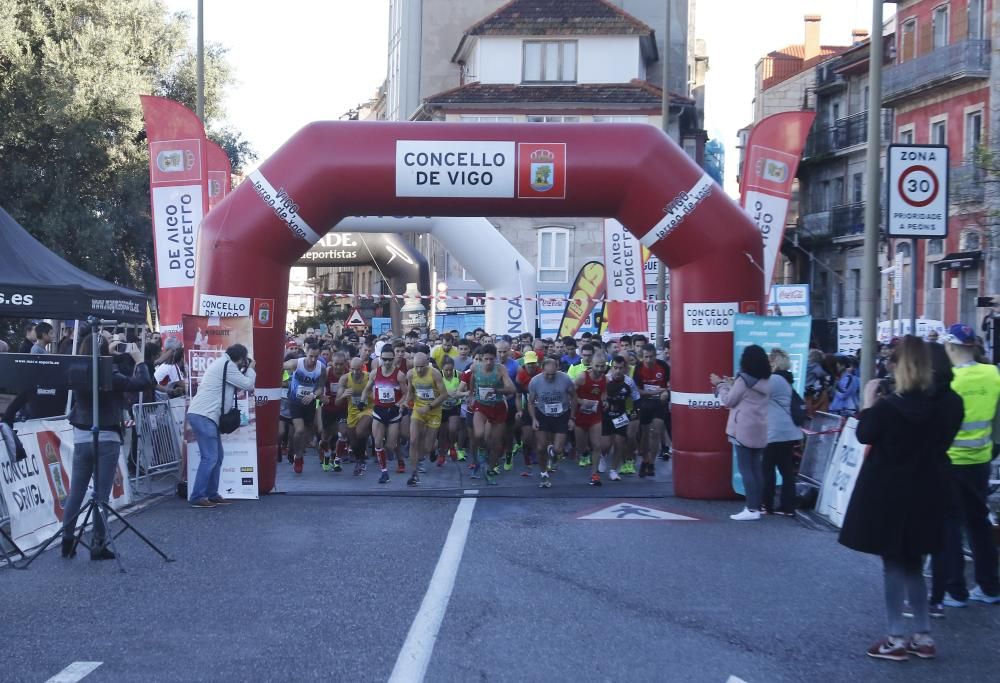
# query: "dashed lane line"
74,672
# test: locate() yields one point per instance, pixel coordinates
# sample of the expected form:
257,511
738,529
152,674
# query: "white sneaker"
602,465
613,475
745,516
978,595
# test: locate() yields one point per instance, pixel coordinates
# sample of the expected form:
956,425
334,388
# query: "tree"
73,153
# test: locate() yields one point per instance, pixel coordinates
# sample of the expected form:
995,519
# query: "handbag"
229,421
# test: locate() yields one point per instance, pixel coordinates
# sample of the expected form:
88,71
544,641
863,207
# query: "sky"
317,59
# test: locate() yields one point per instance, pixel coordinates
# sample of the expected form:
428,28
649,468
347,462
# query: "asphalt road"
320,587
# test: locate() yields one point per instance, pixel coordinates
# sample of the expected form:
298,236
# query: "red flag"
772,159
626,285
178,183
220,175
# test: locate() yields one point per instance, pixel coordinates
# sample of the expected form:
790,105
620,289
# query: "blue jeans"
83,469
206,481
751,466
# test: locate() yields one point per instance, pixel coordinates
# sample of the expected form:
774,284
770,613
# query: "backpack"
797,409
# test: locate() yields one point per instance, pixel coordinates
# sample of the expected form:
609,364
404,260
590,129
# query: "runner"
428,393
451,412
511,443
622,395
334,415
524,377
652,377
446,348
359,412
463,360
490,385
306,385
388,386
591,394
551,404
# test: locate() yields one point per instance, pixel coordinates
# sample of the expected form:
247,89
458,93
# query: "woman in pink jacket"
746,397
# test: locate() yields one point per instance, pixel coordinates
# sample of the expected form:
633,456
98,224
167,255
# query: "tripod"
96,510
7,556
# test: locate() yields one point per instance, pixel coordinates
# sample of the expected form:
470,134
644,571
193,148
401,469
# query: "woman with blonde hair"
899,502
782,436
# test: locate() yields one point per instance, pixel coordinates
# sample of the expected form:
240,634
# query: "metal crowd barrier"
822,432
158,441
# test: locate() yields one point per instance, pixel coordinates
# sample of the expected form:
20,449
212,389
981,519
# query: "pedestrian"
43,337
746,397
847,390
29,339
232,371
898,506
782,436
817,396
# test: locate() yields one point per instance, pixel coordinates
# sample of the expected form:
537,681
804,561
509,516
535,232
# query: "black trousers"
780,455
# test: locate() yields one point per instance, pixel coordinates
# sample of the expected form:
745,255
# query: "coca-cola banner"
178,179
772,160
35,489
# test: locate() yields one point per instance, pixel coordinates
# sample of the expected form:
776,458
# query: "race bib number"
302,392
284,393
652,387
620,421
553,409
588,406
425,393
386,394
358,403
487,393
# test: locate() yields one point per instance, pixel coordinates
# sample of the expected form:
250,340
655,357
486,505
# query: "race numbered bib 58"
386,394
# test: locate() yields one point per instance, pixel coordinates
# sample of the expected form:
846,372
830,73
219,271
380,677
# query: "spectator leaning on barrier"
746,397
898,506
782,437
232,371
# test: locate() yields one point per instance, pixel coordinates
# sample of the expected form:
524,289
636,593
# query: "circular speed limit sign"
918,186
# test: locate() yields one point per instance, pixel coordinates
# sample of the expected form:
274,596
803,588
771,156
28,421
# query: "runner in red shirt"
652,377
334,415
388,387
591,395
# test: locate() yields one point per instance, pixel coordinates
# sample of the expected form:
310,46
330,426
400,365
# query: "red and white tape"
458,297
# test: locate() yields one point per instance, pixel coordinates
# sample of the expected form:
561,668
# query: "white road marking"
74,672
734,679
471,492
411,664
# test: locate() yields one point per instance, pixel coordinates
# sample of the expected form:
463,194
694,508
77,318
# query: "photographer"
232,371
110,408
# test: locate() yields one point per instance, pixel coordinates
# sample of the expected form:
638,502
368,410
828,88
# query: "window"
858,188
838,191
940,26
485,119
939,132
549,62
906,135
976,19
825,201
867,94
615,118
538,118
973,132
908,41
553,255
970,240
935,247
834,112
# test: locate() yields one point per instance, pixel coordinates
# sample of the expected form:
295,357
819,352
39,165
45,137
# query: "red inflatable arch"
331,170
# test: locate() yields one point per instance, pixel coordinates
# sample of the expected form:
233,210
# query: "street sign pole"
913,286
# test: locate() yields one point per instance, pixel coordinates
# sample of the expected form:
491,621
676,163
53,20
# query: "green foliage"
73,154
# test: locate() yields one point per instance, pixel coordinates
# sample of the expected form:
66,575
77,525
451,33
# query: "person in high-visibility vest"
979,386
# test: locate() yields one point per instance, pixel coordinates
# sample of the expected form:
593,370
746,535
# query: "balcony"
827,80
967,184
845,133
955,62
815,225
848,221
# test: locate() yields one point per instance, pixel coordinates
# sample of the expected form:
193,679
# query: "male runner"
464,358
489,387
305,387
620,391
451,411
334,414
359,412
446,348
524,377
388,387
551,403
428,393
591,395
652,376
510,444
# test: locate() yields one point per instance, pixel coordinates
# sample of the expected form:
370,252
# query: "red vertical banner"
626,285
220,175
178,181
773,151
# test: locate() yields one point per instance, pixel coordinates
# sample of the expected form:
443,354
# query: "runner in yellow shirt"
428,393
359,412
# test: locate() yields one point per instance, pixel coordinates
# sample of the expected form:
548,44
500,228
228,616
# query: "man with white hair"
427,392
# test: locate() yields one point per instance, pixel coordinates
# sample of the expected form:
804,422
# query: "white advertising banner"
768,211
710,317
177,212
35,489
224,306
848,335
651,268
789,300
841,475
455,168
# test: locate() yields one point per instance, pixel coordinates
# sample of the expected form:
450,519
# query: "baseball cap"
960,334
530,357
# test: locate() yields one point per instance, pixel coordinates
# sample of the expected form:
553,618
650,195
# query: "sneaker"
613,475
413,481
889,648
953,602
421,467
935,610
602,465
546,481
907,609
921,646
642,469
454,454
651,469
628,467
477,472
746,515
491,477
336,465
327,467
527,473
665,455
297,467
979,595
219,500
785,513
202,503
508,461
460,453
384,479
595,479
585,460
400,467
440,460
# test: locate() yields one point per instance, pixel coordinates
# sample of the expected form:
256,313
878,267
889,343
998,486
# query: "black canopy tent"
35,283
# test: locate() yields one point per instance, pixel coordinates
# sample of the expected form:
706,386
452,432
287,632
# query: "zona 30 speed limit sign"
918,191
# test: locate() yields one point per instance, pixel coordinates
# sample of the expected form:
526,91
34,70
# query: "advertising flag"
220,174
178,180
625,280
773,151
588,286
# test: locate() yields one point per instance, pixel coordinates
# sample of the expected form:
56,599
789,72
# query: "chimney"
858,35
812,36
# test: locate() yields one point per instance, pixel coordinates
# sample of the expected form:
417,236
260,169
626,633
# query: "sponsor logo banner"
541,170
263,313
428,168
588,286
284,207
677,209
177,213
224,306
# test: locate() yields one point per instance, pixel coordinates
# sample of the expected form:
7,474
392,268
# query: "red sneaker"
893,649
401,468
440,461
297,466
454,454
